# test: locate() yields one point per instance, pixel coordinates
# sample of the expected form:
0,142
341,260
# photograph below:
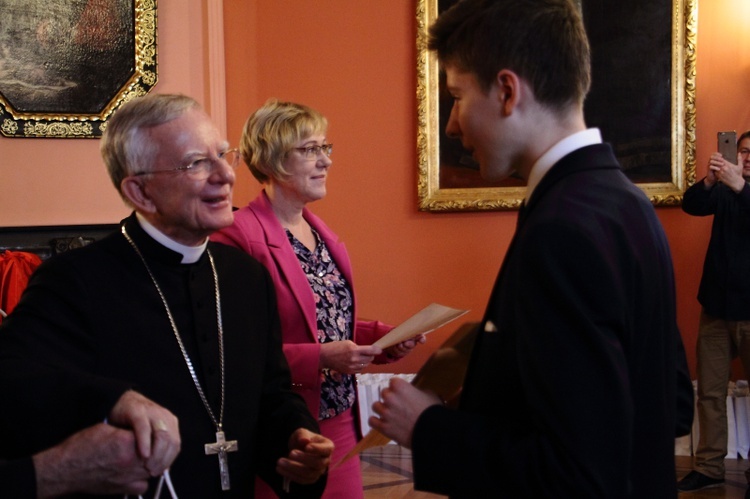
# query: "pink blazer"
257,231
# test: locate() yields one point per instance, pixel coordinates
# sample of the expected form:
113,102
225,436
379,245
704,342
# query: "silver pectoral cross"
221,447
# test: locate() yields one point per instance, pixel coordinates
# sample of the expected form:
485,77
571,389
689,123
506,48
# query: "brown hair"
543,41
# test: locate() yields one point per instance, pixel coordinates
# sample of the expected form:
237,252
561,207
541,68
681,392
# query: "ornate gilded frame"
67,116
434,198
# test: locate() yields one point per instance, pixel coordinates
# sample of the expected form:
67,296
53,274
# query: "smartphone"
727,142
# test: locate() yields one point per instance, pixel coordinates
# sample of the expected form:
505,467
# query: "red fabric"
15,269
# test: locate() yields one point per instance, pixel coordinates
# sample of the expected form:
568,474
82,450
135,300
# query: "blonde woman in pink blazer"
284,144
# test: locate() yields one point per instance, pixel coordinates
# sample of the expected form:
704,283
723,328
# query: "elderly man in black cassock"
158,330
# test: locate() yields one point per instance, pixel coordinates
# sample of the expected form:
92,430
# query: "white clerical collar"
190,254
558,151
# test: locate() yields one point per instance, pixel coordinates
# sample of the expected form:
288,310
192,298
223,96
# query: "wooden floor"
387,473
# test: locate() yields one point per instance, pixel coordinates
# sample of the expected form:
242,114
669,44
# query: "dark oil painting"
65,56
629,101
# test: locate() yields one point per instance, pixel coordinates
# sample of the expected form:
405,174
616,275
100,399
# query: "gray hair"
124,147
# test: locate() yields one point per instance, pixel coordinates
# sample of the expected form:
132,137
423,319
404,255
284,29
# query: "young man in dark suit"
578,382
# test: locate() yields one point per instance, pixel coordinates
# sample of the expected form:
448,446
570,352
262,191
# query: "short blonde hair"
271,132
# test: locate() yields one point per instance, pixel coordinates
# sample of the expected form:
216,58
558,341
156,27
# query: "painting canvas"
642,99
65,65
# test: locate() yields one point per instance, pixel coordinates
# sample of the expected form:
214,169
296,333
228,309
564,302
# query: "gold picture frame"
66,66
678,138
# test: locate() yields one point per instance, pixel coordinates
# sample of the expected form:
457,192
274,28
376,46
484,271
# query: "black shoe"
697,481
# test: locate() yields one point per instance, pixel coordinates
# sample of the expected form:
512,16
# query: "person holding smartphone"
724,294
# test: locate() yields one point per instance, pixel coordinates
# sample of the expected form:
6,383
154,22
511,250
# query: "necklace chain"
188,362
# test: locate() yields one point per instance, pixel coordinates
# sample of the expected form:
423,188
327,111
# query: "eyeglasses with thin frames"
202,167
312,152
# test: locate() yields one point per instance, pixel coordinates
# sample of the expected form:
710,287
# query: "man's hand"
101,459
399,408
308,459
157,432
726,172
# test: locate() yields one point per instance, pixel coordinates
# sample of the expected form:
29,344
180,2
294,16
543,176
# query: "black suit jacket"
575,380
91,325
17,479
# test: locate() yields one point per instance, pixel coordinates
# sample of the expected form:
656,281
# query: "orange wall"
722,83
63,181
354,61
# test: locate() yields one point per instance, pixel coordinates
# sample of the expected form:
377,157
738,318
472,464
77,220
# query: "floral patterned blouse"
333,302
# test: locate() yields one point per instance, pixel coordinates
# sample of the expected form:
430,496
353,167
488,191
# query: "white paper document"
426,320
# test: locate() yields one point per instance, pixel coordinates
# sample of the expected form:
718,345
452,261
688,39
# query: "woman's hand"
346,356
405,347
